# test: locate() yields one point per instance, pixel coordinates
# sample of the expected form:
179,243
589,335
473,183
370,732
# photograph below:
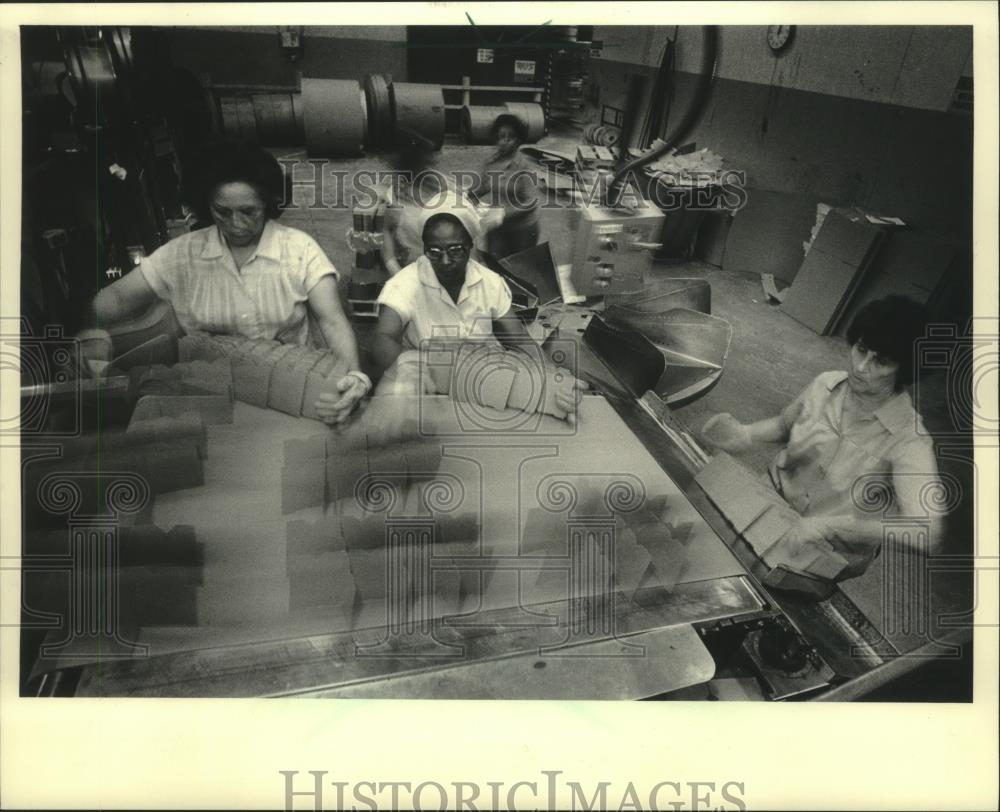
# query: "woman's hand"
568,391
334,409
725,432
490,217
96,352
808,530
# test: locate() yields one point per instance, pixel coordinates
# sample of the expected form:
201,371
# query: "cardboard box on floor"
833,269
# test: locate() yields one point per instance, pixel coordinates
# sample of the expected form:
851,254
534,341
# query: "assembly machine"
235,547
189,529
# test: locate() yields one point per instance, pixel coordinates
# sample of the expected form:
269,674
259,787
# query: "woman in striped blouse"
246,274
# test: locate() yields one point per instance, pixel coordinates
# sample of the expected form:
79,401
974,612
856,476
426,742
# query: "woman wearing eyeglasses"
446,295
246,274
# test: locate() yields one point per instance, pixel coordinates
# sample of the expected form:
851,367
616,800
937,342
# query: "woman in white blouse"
246,274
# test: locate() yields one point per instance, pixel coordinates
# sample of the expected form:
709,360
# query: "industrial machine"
100,123
612,250
532,569
343,117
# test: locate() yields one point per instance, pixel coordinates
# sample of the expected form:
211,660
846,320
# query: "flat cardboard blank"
831,272
766,235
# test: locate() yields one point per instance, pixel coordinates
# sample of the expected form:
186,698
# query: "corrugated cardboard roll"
336,116
419,108
531,115
380,117
275,117
238,120
478,121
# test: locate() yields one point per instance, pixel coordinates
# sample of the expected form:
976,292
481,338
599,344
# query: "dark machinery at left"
105,119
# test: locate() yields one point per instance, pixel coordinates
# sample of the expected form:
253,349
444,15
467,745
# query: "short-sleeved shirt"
427,311
266,299
818,470
821,463
512,183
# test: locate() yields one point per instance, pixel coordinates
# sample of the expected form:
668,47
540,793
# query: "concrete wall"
908,66
850,115
911,163
252,55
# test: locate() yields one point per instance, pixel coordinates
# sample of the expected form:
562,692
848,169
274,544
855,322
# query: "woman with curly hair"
245,274
509,182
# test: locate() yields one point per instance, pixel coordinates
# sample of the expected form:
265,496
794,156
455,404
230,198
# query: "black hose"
631,124
660,105
709,63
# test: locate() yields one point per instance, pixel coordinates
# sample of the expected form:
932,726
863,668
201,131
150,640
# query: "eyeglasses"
456,251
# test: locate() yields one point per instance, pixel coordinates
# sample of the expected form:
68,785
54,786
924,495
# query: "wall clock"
779,36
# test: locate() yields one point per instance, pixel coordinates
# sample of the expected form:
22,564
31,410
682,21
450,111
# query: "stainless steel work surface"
635,667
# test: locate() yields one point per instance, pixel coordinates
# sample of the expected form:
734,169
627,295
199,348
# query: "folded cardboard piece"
736,492
788,580
197,387
763,519
488,375
269,374
168,452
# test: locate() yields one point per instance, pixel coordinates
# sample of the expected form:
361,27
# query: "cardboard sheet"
766,235
734,490
506,508
908,263
831,272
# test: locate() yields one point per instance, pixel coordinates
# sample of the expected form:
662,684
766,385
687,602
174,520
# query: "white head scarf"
450,202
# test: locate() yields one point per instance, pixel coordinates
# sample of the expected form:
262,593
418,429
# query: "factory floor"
771,358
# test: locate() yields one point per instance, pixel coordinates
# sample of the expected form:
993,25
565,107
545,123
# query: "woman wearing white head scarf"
446,295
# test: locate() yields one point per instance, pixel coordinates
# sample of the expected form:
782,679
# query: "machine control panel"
612,250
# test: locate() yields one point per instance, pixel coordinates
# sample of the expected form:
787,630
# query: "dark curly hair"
891,326
512,121
224,162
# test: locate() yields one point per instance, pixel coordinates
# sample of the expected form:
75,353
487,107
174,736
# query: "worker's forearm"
340,338
385,350
518,342
107,308
771,430
389,253
871,532
854,530
510,331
